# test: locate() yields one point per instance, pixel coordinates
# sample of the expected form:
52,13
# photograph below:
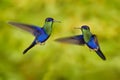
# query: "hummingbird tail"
32,45
99,52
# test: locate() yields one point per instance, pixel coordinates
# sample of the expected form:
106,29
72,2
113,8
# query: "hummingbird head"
50,20
85,27
48,25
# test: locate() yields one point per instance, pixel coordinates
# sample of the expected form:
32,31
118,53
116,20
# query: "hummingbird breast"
42,37
92,44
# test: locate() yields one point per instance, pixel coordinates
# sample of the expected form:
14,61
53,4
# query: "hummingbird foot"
41,43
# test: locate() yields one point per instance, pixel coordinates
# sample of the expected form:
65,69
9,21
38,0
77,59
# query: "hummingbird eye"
49,19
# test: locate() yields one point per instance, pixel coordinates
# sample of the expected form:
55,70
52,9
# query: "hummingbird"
41,33
86,38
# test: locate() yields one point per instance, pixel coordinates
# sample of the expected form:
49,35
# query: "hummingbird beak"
56,21
77,28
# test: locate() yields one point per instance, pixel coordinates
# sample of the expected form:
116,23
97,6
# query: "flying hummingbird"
86,38
41,34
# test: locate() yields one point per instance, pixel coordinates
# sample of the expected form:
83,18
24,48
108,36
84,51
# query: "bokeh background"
57,61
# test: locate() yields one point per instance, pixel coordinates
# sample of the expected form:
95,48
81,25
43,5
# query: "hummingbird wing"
30,28
95,39
78,40
93,42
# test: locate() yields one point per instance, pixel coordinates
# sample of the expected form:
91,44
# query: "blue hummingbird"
41,34
86,38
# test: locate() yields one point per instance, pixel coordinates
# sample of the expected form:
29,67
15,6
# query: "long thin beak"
56,21
77,28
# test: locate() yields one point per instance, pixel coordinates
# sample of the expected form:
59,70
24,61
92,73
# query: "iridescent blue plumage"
86,38
41,34
92,44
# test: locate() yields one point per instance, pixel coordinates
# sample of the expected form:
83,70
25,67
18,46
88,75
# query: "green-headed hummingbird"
41,34
86,38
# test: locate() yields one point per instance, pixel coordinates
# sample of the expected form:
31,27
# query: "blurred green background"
56,61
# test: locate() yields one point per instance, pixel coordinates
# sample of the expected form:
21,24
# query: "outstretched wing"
30,28
78,40
95,39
